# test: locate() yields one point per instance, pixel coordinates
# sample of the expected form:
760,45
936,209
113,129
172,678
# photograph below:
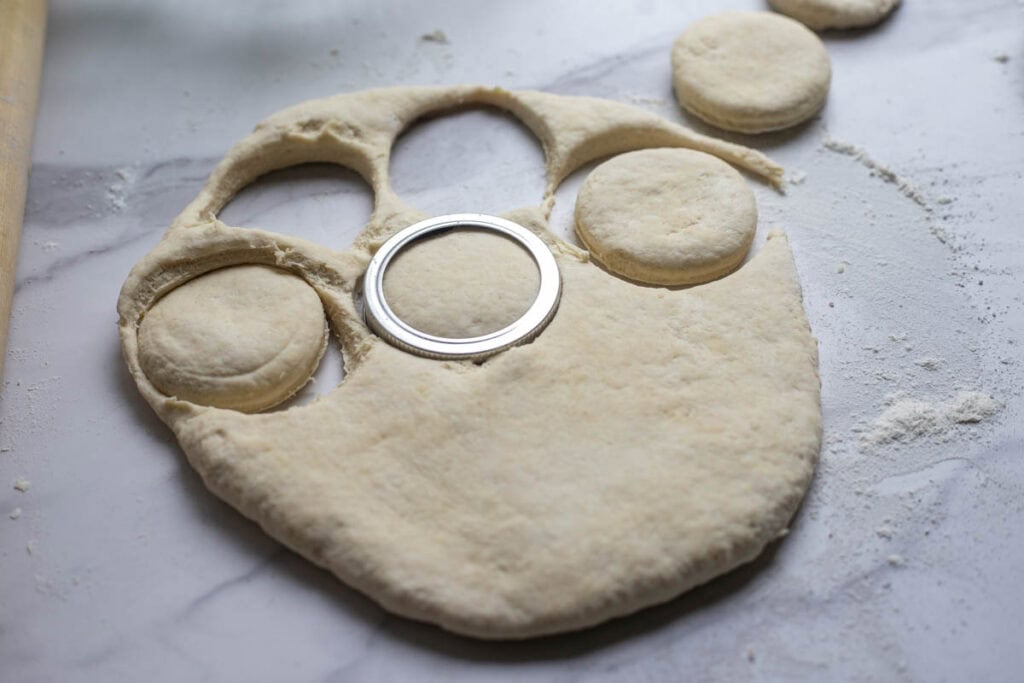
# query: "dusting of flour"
907,418
909,190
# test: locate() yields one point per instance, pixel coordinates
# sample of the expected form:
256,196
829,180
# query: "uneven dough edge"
350,129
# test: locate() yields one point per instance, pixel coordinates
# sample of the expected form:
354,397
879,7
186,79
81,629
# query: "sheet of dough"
647,441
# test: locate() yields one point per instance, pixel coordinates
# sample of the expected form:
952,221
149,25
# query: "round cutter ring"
382,320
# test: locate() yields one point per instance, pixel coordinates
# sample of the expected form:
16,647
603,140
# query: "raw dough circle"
666,216
499,282
750,72
245,337
397,331
825,14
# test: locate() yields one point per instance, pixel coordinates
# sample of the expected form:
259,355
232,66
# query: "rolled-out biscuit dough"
839,14
750,72
666,216
645,442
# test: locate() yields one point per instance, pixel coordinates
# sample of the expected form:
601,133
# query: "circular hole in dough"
244,337
750,72
841,14
324,203
478,159
666,216
461,283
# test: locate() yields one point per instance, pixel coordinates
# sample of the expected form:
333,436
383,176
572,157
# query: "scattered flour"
928,363
117,190
647,101
48,245
877,169
797,178
907,419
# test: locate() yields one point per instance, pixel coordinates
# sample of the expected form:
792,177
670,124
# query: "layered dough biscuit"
750,72
840,14
666,216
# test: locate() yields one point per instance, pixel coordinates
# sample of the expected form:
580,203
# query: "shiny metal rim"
382,320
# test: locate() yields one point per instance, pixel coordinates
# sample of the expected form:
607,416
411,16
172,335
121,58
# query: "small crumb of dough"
22,485
838,14
15,513
750,72
896,560
435,36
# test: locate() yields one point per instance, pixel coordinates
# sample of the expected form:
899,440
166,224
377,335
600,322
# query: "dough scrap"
666,216
838,14
645,442
244,337
750,72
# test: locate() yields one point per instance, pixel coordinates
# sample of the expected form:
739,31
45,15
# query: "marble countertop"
904,214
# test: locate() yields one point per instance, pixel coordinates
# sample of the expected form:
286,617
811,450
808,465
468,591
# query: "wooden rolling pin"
22,28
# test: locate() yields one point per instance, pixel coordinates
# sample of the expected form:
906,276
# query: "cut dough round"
666,216
750,72
244,337
825,14
497,282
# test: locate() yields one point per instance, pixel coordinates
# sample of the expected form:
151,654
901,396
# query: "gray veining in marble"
904,562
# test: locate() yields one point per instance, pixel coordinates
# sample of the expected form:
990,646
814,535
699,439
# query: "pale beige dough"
750,72
839,14
461,284
244,337
666,216
645,442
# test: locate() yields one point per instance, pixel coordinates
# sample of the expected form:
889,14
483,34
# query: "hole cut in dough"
477,160
244,337
839,14
667,216
326,203
750,72
461,283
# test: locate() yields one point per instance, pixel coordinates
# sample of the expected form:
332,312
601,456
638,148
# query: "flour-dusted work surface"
902,211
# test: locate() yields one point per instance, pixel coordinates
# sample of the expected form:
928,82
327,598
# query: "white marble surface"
903,564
